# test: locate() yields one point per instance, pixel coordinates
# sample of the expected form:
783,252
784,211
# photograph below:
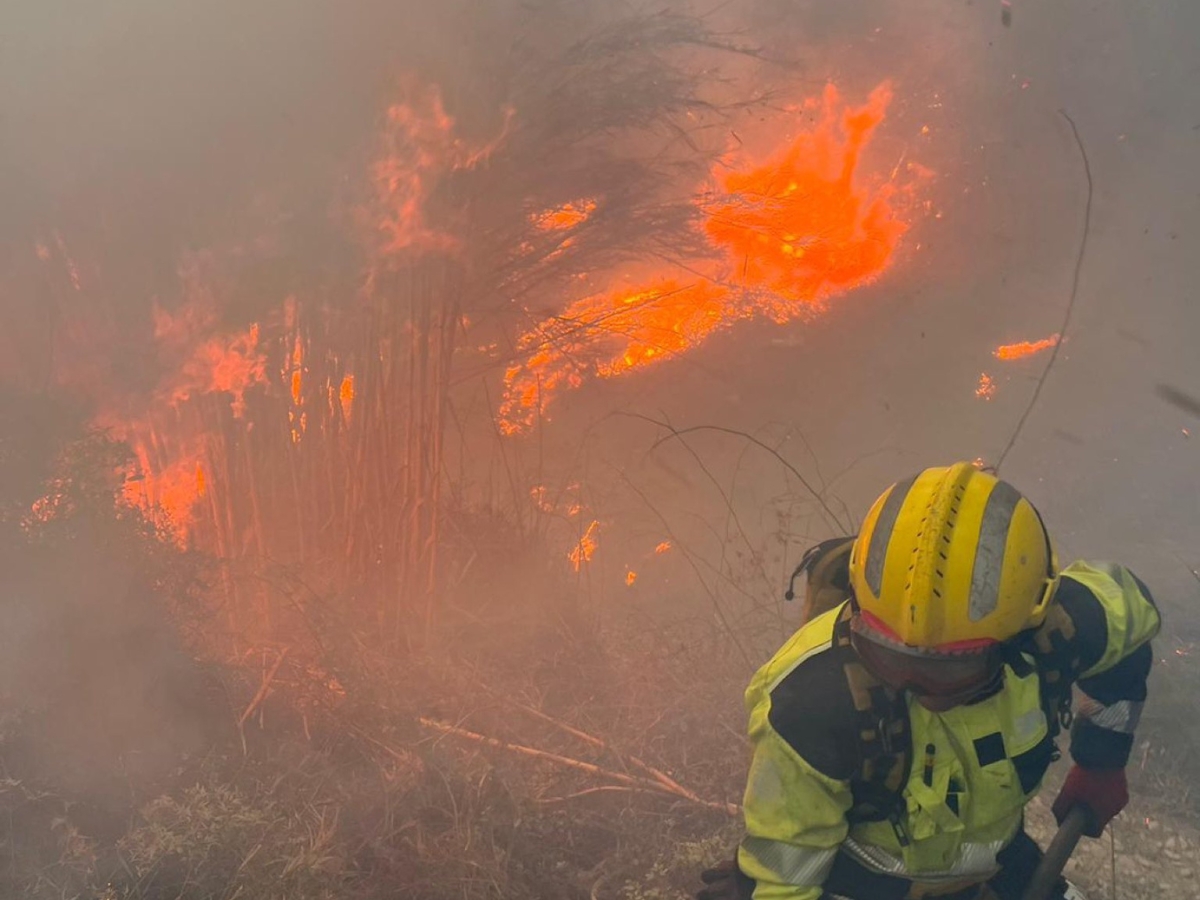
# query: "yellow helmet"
953,556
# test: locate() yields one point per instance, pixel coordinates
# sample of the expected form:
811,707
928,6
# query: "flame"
346,396
785,235
419,150
223,363
168,494
418,140
298,372
798,226
986,388
1025,348
585,548
662,547
173,471
630,577
564,217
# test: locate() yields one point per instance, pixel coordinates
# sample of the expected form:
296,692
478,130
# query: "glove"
1103,792
725,881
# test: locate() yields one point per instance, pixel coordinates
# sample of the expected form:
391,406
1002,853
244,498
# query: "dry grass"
531,748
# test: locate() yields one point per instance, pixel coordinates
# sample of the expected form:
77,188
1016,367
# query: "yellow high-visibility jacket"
969,772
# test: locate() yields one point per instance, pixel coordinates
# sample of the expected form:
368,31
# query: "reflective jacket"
814,820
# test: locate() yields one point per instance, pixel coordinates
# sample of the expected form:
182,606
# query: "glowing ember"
987,388
630,577
786,235
585,548
663,547
1024,348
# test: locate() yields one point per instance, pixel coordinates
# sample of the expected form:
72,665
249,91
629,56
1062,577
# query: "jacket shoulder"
811,704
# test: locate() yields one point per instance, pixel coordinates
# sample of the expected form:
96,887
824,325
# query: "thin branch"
1062,333
695,569
679,432
263,689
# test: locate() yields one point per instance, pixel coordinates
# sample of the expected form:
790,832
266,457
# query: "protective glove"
725,881
1103,792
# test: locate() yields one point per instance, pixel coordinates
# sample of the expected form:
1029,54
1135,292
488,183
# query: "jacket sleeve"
798,790
1110,619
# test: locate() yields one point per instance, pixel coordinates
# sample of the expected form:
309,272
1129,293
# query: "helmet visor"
945,672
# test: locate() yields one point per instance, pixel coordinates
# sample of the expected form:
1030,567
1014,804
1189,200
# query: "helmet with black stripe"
948,564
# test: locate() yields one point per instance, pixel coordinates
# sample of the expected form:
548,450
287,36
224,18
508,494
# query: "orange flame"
170,494
986,388
419,149
228,364
585,548
662,547
786,236
346,396
630,577
172,470
418,141
1024,348
564,217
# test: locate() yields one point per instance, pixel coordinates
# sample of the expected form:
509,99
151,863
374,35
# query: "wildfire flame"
173,471
986,388
583,551
564,217
346,396
786,235
1022,349
223,363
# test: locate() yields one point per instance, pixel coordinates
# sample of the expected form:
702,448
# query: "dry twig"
263,689
633,781
657,774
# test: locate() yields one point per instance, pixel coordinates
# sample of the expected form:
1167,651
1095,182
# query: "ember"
1024,348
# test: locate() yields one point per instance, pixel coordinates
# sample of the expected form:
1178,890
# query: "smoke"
99,696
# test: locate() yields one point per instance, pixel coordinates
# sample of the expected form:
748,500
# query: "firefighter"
898,736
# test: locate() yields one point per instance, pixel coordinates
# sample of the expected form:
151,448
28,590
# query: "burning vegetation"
783,237
266,427
272,491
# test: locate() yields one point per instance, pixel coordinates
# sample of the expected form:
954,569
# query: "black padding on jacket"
1091,625
849,878
1124,681
1031,765
812,709
989,749
1094,747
